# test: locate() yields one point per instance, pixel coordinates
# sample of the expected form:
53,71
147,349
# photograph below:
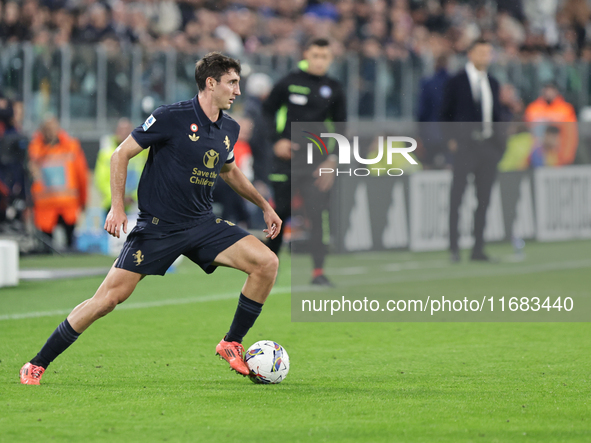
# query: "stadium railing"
90,86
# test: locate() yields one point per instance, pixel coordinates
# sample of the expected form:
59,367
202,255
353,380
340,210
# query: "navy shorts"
153,246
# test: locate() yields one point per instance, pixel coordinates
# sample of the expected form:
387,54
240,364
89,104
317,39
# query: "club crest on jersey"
138,257
149,122
227,143
325,91
211,158
194,127
193,137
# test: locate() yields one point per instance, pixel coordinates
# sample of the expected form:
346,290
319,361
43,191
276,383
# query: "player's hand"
116,218
325,181
282,148
273,223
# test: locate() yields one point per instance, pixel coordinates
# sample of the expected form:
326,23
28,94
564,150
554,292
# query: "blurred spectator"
541,18
11,29
519,148
60,176
551,107
258,87
511,104
12,162
547,149
6,115
98,25
431,96
102,169
401,28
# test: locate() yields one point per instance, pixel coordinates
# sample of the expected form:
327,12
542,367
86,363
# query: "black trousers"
316,205
69,229
480,159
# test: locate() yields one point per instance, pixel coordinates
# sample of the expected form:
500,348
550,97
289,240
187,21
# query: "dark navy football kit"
187,153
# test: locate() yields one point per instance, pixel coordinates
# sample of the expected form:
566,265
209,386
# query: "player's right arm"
117,218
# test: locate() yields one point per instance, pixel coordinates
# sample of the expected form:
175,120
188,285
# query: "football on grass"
268,362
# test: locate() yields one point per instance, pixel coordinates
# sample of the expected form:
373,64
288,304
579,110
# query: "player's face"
481,56
319,59
226,90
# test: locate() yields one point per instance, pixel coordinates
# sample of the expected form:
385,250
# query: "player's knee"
269,264
110,301
107,305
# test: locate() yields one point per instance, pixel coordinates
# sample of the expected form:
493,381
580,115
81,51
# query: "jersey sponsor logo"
149,122
138,257
211,158
193,137
325,91
194,127
227,143
203,178
298,99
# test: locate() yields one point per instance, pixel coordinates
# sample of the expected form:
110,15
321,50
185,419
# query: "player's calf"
117,287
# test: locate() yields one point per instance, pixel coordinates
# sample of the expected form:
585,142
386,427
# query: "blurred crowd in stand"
395,29
48,170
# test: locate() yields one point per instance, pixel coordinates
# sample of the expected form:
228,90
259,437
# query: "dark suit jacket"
459,106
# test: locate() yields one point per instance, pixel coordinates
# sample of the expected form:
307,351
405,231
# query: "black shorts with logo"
153,245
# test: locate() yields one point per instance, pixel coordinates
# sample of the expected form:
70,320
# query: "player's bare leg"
260,263
251,256
116,288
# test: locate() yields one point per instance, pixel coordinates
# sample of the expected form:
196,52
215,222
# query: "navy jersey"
187,152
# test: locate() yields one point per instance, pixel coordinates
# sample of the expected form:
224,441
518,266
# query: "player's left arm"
232,175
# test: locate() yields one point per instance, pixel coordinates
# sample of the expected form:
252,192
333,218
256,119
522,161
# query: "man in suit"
472,98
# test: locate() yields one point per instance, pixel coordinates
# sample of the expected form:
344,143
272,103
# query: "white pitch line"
145,304
454,272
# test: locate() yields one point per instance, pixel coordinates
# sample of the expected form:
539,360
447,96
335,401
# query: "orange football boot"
233,353
31,374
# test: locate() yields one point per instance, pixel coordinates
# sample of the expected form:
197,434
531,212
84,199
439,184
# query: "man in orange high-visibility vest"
60,176
550,109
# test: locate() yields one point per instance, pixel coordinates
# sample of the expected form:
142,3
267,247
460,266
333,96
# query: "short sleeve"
230,158
233,140
154,130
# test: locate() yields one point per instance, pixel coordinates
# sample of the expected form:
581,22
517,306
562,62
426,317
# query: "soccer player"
305,95
191,144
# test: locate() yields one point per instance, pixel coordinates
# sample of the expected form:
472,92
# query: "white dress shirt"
482,93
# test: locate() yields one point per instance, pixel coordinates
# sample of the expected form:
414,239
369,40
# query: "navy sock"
246,314
58,342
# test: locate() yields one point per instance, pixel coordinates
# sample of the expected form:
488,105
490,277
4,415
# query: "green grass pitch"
147,372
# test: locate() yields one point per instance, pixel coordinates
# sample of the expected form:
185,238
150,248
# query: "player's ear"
210,82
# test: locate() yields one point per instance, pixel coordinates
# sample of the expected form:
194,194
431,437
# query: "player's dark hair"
478,41
320,42
214,65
